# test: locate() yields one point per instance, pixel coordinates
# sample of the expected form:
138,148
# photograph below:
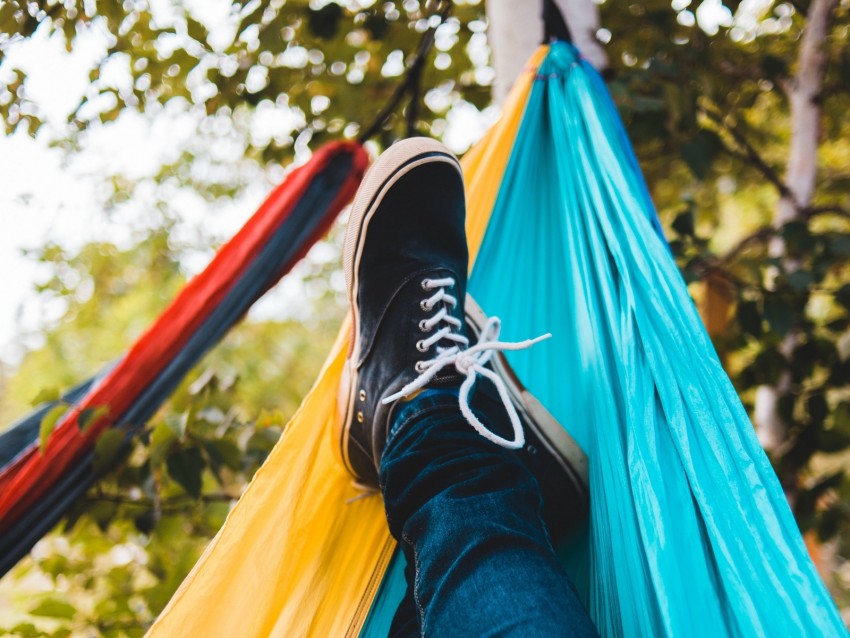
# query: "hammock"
37,488
689,531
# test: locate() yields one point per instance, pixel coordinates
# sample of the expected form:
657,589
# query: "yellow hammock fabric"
300,554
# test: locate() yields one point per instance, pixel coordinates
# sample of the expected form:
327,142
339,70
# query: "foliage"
707,112
120,553
323,67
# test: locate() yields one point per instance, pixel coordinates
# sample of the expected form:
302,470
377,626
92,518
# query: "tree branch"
443,7
760,236
750,155
704,267
174,501
764,234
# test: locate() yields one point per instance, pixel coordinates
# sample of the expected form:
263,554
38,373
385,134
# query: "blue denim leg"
467,515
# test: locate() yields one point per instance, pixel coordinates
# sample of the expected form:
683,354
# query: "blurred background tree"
737,114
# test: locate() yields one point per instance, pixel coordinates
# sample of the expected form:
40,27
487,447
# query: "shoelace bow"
468,360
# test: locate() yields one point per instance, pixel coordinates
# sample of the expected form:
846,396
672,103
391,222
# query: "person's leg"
468,515
471,472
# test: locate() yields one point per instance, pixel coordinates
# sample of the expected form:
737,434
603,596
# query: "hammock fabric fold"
689,532
37,488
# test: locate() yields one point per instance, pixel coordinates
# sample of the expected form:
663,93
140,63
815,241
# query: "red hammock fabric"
24,481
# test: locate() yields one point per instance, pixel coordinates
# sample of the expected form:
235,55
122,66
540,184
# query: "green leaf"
146,521
106,449
185,467
749,318
90,415
841,417
48,423
842,296
324,22
774,67
699,153
178,423
53,608
26,630
798,238
806,502
376,25
263,440
831,441
801,280
46,395
838,325
222,452
830,522
839,244
779,315
845,66
785,409
102,512
817,408
270,418
803,360
196,30
684,223
163,439
767,366
73,515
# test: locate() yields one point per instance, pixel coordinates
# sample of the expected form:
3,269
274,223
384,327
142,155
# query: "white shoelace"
470,361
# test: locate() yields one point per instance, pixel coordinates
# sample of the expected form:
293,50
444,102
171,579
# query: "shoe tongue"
448,377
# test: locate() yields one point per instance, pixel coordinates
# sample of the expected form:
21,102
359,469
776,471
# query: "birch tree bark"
516,29
803,92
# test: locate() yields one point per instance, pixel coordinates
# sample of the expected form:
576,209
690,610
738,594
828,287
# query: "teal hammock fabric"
689,532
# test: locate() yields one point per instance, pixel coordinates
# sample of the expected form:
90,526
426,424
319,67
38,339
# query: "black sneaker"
405,261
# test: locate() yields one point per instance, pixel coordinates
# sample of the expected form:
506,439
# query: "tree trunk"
801,173
516,30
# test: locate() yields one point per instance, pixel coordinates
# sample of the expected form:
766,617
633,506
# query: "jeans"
467,514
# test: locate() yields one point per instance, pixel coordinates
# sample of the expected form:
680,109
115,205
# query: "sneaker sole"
550,433
395,162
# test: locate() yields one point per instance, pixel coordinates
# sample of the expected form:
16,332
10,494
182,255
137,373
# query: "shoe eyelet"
420,345
424,305
362,395
419,367
423,326
426,284
360,417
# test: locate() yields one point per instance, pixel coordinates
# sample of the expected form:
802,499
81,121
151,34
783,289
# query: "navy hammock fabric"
36,488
